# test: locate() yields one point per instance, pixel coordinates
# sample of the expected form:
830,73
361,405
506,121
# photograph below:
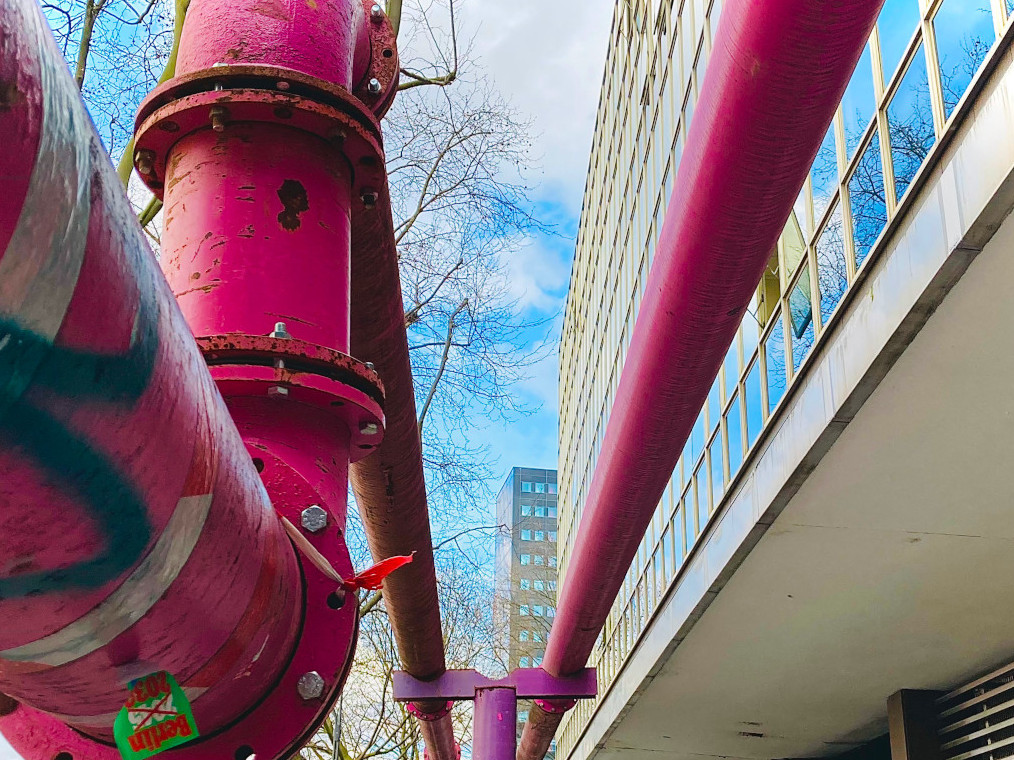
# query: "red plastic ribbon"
373,577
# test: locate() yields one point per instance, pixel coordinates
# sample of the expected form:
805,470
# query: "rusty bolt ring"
299,356
190,113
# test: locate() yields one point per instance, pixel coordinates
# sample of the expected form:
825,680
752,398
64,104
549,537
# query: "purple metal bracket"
527,683
496,700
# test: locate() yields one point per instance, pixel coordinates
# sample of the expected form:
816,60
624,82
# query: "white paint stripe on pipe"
107,720
132,600
41,265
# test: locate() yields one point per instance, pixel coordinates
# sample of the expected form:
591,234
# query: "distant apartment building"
526,557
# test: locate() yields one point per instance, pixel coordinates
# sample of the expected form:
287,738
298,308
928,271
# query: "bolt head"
313,519
377,12
370,366
310,686
277,390
374,86
369,428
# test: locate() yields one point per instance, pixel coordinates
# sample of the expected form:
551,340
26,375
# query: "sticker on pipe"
155,717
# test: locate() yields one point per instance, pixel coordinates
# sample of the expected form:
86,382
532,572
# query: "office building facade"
905,203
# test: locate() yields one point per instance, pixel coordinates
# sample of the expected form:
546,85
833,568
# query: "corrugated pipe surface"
777,73
389,485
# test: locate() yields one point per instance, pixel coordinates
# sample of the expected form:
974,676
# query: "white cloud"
538,276
548,57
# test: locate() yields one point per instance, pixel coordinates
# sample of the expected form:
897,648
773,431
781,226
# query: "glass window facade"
903,96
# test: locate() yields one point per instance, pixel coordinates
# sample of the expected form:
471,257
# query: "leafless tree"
458,160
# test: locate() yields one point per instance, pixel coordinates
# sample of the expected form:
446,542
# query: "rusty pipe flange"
335,383
214,98
379,85
556,706
430,717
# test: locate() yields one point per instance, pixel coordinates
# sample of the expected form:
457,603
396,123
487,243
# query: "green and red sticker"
155,717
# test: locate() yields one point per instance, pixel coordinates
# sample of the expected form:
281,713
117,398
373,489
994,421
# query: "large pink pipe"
132,520
777,72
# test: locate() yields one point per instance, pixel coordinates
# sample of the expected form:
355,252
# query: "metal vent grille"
977,720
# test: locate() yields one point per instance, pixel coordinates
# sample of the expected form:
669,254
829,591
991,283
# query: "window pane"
754,418
866,197
832,271
793,245
732,368
734,430
717,473
774,351
824,174
858,104
801,318
897,24
689,531
714,405
964,30
696,440
703,492
751,329
910,117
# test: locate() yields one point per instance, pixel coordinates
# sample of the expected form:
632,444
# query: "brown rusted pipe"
389,485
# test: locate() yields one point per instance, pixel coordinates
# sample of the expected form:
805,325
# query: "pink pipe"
777,72
389,485
131,516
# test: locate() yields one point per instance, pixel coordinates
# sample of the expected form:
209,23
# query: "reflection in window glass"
703,492
754,417
717,472
802,218
734,431
964,30
714,405
897,24
732,368
689,531
696,440
801,319
774,352
866,198
832,272
858,104
824,174
793,247
910,117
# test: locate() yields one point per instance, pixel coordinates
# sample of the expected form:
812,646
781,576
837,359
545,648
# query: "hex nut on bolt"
310,686
314,519
377,12
374,86
369,428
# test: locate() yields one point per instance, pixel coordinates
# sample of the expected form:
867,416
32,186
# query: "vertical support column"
912,718
496,720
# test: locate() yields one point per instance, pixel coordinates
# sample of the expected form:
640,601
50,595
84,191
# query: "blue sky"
548,59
